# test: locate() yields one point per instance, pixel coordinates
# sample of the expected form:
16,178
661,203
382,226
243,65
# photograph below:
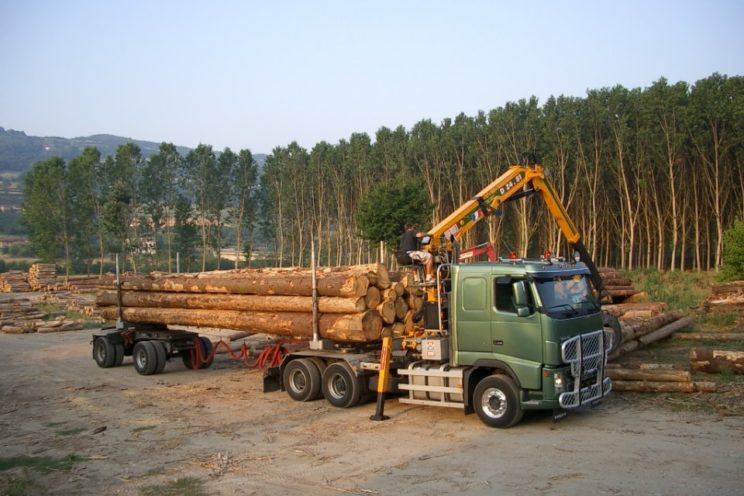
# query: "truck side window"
504,294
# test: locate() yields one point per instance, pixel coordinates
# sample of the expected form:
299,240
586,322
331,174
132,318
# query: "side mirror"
520,299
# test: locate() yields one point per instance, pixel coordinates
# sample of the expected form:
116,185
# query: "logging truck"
495,338
498,337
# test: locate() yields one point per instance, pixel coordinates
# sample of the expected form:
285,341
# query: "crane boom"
517,182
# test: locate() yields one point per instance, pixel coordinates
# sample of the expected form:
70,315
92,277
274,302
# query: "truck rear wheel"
301,380
341,387
145,357
104,352
496,401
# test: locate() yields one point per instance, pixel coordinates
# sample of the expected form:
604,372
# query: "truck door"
473,316
516,334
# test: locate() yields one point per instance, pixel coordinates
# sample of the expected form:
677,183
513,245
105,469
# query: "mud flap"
559,414
272,380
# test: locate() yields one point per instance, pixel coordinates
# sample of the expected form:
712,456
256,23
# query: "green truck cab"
536,327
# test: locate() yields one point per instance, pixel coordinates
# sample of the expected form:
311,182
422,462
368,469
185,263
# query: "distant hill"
18,152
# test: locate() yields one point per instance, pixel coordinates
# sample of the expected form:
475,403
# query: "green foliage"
185,486
733,252
45,209
40,463
680,290
385,211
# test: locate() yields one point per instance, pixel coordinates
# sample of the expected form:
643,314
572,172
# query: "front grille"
586,354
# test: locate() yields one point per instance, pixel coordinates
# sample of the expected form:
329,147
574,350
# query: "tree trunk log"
648,375
260,303
711,336
663,387
372,298
386,309
665,331
359,327
717,361
344,284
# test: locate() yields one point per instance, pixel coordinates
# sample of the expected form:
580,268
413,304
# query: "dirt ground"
215,432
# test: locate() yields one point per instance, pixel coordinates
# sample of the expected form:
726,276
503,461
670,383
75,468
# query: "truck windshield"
566,296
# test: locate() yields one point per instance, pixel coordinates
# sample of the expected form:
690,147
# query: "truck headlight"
558,382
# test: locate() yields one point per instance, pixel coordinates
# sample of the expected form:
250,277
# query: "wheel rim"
337,386
100,351
298,381
494,403
141,358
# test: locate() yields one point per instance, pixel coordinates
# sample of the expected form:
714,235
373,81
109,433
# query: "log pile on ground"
20,316
354,303
717,361
86,284
619,288
726,297
14,281
41,276
641,332
656,378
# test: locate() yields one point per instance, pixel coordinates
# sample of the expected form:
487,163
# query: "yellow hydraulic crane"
518,181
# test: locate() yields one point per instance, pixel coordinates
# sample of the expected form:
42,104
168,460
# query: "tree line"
148,210
652,177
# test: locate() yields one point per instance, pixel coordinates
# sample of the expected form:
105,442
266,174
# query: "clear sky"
261,74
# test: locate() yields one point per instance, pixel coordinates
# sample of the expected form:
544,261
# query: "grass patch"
144,428
70,432
185,486
679,290
18,486
40,463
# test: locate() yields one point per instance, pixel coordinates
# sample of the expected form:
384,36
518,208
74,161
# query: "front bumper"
586,354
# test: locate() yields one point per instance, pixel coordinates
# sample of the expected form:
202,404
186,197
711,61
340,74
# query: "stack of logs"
638,332
354,303
19,316
41,276
726,297
658,378
84,284
14,281
618,287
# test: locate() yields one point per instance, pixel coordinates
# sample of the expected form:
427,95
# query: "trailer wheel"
340,386
301,379
205,351
162,356
104,352
145,357
496,401
119,353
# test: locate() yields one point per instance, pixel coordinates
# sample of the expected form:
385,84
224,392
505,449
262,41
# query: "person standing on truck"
409,244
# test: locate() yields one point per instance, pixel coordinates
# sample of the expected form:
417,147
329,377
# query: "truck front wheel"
496,401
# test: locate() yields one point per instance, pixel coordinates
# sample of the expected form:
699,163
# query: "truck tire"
162,356
104,352
145,357
119,353
341,387
496,401
611,322
301,379
206,351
